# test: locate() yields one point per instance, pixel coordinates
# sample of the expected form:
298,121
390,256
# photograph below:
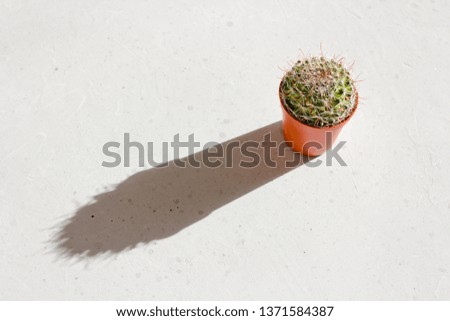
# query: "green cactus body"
318,91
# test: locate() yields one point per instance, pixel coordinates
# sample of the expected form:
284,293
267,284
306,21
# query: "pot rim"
296,119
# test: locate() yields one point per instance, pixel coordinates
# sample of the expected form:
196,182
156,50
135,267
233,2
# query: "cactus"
318,91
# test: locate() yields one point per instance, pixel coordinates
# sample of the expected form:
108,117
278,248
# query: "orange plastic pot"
308,140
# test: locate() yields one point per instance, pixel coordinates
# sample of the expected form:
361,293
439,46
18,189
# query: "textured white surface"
76,74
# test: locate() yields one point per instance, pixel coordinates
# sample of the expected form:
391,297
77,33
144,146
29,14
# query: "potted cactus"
318,97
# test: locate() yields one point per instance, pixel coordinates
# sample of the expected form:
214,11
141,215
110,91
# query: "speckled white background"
76,74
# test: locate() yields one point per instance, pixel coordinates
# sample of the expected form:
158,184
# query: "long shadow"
159,202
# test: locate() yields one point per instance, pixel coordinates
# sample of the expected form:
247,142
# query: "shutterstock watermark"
247,154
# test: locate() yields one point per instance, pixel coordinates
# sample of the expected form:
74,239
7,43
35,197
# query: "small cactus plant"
318,91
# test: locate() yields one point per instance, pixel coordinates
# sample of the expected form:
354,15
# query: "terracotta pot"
308,140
